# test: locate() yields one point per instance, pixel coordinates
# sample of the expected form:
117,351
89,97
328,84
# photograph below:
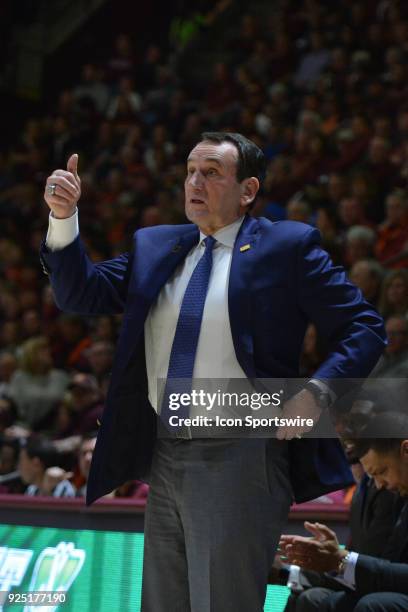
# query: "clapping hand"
321,552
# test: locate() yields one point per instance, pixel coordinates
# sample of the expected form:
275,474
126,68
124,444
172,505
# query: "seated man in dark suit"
378,585
373,514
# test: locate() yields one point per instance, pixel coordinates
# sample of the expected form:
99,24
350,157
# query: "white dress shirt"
215,357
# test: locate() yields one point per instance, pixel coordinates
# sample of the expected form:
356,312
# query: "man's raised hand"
63,189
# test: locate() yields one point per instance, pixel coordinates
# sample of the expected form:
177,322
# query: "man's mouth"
197,201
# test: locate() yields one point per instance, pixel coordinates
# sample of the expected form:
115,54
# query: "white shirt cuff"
294,578
61,232
349,574
325,388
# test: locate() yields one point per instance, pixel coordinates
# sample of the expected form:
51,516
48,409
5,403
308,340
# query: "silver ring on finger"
52,188
298,436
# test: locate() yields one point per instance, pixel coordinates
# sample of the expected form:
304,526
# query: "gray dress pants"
215,512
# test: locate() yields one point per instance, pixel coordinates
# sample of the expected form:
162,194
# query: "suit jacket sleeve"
354,329
82,287
374,575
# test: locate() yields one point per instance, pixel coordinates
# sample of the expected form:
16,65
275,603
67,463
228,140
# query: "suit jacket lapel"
154,263
239,294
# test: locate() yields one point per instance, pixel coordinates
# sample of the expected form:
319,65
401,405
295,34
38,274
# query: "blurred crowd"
320,87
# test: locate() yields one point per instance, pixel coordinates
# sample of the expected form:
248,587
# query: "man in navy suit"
228,296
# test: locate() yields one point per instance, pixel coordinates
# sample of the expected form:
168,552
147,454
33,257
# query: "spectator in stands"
379,585
36,465
71,340
352,143
10,481
31,323
367,274
9,450
93,87
392,240
336,189
104,329
313,62
8,365
359,244
122,61
10,336
394,294
352,212
150,216
86,407
382,171
222,90
160,143
394,362
8,413
100,359
148,70
36,386
84,461
298,209
127,97
279,185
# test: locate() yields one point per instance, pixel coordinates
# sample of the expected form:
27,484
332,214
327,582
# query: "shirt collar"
226,235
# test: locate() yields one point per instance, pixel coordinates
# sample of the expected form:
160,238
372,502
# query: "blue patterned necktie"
184,348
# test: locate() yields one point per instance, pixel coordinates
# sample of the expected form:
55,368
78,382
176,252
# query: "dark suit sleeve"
354,330
374,575
82,287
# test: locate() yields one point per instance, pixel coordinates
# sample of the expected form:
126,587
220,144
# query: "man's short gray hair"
360,232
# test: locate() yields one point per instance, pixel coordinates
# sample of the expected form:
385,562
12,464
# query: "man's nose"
379,483
196,180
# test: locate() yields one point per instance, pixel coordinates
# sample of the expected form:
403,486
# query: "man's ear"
249,189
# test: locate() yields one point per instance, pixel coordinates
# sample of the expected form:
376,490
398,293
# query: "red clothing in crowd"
390,243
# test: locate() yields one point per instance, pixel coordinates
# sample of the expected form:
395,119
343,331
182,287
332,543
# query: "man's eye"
212,171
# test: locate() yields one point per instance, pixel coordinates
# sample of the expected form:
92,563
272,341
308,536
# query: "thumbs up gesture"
63,189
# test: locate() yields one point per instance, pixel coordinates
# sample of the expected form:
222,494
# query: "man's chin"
196,214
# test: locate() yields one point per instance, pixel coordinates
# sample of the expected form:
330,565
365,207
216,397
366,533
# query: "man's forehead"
372,460
223,152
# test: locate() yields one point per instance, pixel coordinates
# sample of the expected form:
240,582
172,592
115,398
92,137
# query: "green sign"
99,571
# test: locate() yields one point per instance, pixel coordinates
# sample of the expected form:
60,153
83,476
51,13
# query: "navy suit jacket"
374,575
283,281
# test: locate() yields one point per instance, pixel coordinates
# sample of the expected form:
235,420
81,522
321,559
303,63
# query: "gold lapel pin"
246,247
98,422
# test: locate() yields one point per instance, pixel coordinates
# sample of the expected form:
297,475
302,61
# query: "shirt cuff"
294,578
61,232
325,389
349,573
